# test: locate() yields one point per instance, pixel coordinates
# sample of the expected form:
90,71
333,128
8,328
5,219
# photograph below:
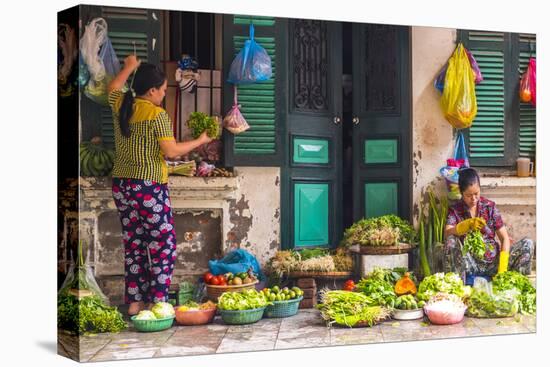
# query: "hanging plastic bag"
478,77
101,60
525,94
252,64
234,120
458,101
439,82
528,84
450,171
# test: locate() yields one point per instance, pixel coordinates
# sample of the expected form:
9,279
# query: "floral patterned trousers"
521,254
149,238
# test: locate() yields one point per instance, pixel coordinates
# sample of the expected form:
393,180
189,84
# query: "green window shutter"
527,112
261,144
487,136
126,27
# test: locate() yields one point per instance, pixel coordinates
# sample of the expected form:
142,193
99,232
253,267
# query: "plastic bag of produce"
483,302
252,64
80,279
236,261
527,85
458,101
234,120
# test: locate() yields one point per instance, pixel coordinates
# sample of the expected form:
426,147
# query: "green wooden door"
381,121
311,178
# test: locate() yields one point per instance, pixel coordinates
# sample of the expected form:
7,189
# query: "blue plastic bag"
460,149
252,64
236,261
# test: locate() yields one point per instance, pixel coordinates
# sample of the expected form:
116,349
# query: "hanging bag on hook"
234,120
528,84
252,64
458,101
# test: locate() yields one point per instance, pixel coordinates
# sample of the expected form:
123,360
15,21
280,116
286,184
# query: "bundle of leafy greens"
483,304
378,285
528,294
199,122
245,300
82,307
383,231
450,283
350,308
87,315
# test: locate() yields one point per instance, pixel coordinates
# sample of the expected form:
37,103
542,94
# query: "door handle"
336,120
355,120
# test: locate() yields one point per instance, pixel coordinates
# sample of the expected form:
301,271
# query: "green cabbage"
440,282
163,310
146,315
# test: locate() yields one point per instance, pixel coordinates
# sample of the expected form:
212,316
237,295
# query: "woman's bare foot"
135,307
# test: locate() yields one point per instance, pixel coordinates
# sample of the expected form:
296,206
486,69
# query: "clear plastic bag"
234,120
458,101
483,302
100,57
527,85
252,64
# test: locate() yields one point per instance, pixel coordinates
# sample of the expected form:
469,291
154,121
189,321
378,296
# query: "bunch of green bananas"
95,159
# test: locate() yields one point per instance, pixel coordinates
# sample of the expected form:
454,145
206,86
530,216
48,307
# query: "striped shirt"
139,156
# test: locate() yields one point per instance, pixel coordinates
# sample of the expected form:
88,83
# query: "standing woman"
143,137
474,212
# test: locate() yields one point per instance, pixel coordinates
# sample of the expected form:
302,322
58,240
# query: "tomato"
215,280
223,281
208,277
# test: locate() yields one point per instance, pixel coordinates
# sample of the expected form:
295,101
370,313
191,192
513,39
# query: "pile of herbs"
378,285
350,308
87,315
309,260
82,307
386,230
474,244
199,122
484,304
450,283
245,300
527,293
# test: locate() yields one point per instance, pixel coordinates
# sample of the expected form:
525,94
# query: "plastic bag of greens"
458,101
80,280
252,64
483,302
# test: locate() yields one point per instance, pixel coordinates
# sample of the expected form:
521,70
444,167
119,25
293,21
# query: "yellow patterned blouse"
139,156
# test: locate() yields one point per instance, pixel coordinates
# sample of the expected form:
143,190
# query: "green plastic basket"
283,308
153,325
241,317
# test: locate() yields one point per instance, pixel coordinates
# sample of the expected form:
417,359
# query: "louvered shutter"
126,27
527,112
261,144
487,136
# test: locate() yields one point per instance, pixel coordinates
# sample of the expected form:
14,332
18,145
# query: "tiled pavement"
306,329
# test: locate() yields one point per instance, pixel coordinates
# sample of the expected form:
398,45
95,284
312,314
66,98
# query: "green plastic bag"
458,101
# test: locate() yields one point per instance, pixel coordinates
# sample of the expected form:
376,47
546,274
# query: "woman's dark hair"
147,76
466,178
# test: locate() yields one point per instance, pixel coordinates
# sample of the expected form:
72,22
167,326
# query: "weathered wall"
212,216
259,200
433,139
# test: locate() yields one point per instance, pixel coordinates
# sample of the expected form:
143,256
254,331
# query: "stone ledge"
212,188
516,191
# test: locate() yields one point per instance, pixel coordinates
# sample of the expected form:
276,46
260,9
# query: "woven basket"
241,317
283,308
214,291
153,325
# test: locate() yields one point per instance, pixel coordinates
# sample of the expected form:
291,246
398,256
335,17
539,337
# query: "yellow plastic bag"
458,101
